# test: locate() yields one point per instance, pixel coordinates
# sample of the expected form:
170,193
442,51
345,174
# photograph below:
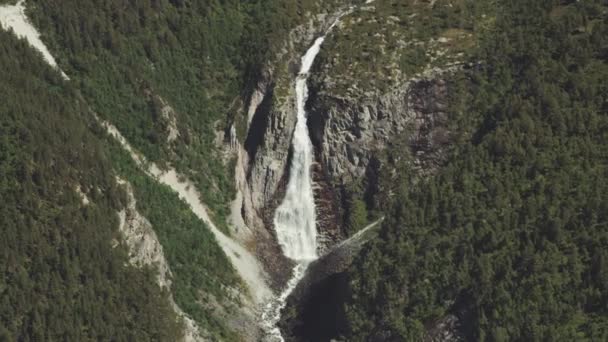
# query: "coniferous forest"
512,234
61,277
507,235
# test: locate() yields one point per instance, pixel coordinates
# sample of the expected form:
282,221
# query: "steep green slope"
128,57
131,58
60,277
128,60
204,283
511,236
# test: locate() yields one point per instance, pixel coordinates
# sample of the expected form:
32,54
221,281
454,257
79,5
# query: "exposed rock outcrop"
353,137
350,132
445,330
378,102
262,163
350,129
168,116
242,319
243,261
271,120
145,250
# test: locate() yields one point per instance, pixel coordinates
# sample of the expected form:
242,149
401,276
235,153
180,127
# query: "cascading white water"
294,219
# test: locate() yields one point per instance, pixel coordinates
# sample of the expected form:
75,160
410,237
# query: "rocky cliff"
146,251
263,159
357,112
371,109
350,133
353,137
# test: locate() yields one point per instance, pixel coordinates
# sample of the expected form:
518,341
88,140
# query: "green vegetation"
384,44
359,210
125,55
197,56
203,277
130,59
511,235
357,216
60,277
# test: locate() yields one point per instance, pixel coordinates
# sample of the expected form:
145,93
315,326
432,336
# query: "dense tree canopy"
60,277
511,235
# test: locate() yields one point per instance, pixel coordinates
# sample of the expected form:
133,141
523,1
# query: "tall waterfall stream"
295,219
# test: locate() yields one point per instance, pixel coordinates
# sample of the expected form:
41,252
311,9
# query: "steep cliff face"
379,98
357,111
350,133
271,118
389,92
352,136
262,162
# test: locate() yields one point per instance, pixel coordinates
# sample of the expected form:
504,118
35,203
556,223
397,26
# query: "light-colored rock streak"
13,17
243,261
83,197
144,247
146,250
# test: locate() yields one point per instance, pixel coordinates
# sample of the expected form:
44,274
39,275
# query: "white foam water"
295,218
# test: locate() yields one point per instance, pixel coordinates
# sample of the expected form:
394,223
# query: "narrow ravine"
295,218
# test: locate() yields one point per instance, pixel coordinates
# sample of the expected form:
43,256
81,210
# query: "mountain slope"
478,130
61,276
509,239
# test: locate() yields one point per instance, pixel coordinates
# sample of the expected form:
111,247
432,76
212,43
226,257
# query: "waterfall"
295,218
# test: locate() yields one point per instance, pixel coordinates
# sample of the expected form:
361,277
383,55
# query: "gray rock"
349,132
